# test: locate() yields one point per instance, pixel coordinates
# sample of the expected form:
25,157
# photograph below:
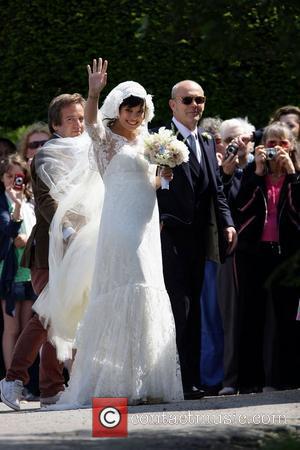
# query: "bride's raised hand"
97,76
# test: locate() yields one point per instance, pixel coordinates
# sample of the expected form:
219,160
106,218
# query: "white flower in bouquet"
164,149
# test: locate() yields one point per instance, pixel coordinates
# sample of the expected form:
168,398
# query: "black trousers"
183,264
269,333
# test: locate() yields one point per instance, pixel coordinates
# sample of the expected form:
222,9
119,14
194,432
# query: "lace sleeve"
103,145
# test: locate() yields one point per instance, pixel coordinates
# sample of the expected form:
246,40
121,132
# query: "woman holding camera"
268,216
16,221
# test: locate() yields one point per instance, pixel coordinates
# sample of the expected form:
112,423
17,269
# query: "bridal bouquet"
164,149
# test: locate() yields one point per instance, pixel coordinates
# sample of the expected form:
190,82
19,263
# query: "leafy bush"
244,53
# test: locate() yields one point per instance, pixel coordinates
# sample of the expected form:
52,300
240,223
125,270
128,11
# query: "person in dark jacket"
236,158
16,221
268,218
196,222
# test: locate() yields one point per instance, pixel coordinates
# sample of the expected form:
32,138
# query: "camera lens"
232,149
19,181
271,153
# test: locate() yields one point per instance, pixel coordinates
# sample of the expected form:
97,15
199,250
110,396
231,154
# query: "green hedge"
244,53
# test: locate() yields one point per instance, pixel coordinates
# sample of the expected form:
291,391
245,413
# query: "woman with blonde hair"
33,139
267,217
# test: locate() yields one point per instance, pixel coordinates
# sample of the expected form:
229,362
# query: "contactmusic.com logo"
110,417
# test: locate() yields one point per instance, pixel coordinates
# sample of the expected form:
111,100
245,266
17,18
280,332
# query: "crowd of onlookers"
249,304
16,292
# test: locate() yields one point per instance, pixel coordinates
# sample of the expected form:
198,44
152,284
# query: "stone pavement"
266,420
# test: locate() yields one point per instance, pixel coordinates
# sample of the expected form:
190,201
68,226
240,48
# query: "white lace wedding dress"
126,342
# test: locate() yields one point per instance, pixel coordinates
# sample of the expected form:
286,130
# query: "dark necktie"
192,142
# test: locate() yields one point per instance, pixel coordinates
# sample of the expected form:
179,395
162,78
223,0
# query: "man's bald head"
183,85
187,103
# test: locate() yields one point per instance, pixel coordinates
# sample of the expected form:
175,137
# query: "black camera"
232,149
271,153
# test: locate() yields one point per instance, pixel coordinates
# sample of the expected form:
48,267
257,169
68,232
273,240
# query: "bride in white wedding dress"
126,343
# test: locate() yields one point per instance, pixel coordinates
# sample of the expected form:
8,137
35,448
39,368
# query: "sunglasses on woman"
282,142
36,144
199,100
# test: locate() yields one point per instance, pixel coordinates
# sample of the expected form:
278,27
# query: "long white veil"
64,165
68,167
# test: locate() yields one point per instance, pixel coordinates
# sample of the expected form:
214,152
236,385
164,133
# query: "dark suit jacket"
177,205
37,247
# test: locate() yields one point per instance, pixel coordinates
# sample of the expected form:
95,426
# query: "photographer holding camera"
16,221
274,158
237,156
237,152
268,219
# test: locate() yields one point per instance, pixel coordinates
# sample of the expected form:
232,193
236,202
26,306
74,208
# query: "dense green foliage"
244,53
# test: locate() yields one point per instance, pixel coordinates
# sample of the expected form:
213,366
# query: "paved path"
242,421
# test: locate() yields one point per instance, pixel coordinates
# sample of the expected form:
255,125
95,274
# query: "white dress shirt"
185,132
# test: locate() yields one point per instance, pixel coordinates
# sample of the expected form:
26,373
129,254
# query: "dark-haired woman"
126,343
16,221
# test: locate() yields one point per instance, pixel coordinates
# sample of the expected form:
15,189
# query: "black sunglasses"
188,100
36,144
